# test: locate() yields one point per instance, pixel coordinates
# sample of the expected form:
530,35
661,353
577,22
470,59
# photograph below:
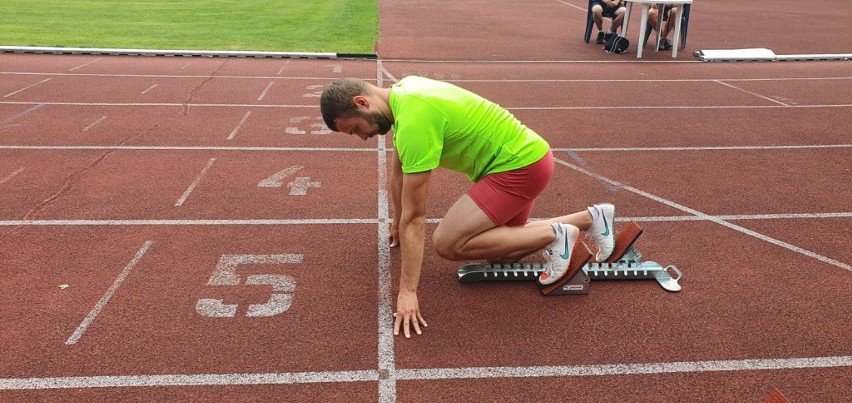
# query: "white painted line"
626,369
185,66
572,5
183,148
164,104
387,360
85,64
12,175
751,93
708,148
239,125
265,90
108,295
373,149
26,88
530,108
281,70
101,119
485,80
195,183
149,89
724,223
186,380
344,221
106,223
143,381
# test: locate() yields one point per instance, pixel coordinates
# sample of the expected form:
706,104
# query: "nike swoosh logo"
567,252
606,227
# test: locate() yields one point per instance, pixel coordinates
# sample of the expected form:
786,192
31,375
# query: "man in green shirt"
437,124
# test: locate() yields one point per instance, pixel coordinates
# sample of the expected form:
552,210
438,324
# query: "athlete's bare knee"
446,244
446,247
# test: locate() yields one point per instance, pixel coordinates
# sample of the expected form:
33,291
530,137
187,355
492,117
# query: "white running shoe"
603,230
558,253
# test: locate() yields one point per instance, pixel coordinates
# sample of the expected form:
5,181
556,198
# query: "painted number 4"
225,273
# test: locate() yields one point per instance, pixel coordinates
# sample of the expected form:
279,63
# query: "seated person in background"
607,8
668,23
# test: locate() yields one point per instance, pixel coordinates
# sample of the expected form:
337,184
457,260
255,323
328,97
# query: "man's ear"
361,102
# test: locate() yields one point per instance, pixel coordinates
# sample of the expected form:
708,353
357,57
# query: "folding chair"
684,23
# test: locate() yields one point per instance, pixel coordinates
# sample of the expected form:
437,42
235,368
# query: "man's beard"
382,123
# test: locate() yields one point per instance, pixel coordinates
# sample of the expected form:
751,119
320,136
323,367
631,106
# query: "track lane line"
707,217
195,183
99,306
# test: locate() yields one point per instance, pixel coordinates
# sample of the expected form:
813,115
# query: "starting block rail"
624,264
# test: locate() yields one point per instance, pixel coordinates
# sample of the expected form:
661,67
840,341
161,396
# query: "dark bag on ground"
616,44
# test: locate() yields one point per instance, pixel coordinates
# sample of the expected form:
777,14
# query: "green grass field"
346,26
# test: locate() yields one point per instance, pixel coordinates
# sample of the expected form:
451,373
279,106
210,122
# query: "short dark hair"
336,100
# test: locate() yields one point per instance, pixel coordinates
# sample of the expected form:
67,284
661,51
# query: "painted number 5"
225,273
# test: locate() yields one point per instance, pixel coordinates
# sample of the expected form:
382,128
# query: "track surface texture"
187,229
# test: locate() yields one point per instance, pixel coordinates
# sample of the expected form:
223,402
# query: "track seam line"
101,304
697,213
751,93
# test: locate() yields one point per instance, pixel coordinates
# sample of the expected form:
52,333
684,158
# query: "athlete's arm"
396,192
412,234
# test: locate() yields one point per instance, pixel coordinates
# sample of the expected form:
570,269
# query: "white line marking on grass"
12,175
26,88
85,64
101,119
149,89
195,183
651,369
751,93
108,295
265,90
724,223
239,125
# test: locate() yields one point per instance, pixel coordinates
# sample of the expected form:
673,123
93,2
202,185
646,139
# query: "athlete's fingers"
420,318
396,324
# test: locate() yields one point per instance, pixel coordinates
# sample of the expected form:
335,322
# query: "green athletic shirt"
437,124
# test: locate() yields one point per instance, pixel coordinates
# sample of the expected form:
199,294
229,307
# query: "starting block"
625,263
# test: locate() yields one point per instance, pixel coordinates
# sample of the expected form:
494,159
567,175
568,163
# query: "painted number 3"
225,273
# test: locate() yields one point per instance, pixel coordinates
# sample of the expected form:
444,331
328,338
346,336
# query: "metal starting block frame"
624,264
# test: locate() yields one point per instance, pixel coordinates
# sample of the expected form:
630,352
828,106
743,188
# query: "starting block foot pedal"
624,241
575,280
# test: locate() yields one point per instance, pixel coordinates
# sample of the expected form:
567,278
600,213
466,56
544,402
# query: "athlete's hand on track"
407,313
